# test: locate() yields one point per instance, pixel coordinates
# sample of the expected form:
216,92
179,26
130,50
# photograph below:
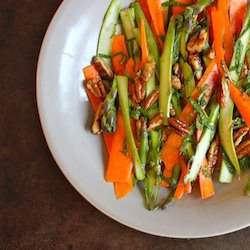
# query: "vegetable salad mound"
170,88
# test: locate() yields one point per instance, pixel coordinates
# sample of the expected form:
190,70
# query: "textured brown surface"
38,207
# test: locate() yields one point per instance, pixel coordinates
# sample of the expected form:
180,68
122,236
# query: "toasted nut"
197,42
243,149
147,71
176,69
176,82
140,89
96,87
96,127
238,136
179,126
138,126
211,54
172,111
103,69
151,99
195,62
223,96
155,122
213,154
244,71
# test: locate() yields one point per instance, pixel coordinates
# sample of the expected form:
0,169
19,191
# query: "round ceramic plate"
66,118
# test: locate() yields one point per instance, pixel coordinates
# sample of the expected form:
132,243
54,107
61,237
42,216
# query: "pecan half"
223,93
155,122
195,62
176,82
243,149
238,136
176,69
151,99
139,90
211,54
244,71
179,126
103,68
147,71
197,42
96,87
172,111
96,126
212,155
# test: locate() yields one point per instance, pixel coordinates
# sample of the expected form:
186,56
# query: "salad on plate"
170,89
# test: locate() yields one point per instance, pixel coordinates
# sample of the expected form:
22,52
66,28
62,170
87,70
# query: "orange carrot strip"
123,188
130,68
223,5
90,72
242,102
144,45
156,14
237,12
181,187
206,183
119,165
119,61
171,149
218,24
176,10
130,71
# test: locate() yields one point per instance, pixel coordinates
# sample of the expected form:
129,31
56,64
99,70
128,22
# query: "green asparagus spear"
189,81
108,121
122,82
176,104
176,176
226,115
143,152
153,171
203,145
128,23
166,71
104,45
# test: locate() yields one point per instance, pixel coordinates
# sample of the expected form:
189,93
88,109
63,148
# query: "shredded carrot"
120,54
123,188
181,187
156,14
218,23
237,12
119,165
228,36
90,72
242,102
206,182
144,45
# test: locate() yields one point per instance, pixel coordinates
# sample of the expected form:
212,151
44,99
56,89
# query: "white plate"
66,117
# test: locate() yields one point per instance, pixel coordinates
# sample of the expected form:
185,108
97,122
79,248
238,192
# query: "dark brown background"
38,207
